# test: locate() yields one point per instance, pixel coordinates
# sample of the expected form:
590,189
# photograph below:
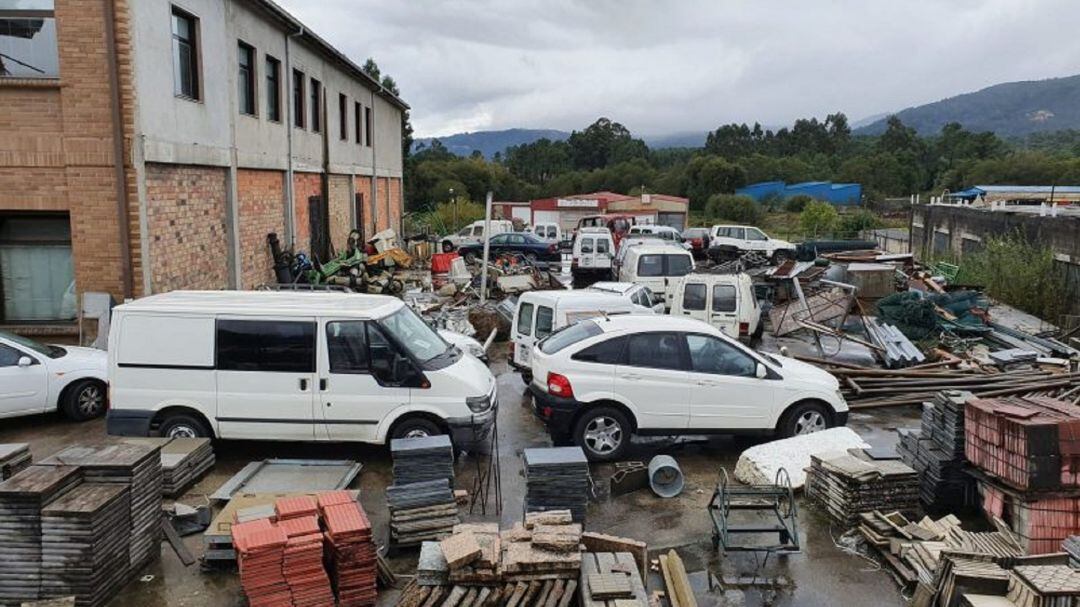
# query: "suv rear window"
609,352
569,336
677,265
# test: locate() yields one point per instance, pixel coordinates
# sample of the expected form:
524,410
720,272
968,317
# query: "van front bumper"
473,433
128,422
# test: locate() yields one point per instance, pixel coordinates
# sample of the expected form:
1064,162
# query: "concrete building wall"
262,211
187,226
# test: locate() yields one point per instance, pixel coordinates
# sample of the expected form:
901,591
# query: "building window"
367,126
246,78
343,116
358,121
28,40
185,43
298,98
273,89
316,106
36,270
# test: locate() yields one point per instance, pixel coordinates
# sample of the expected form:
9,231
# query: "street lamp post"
453,201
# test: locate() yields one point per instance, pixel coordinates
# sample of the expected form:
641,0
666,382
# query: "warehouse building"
842,194
152,145
661,209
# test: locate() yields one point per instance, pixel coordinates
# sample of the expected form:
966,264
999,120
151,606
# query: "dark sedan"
528,246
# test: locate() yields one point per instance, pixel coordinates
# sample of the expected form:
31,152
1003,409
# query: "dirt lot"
820,575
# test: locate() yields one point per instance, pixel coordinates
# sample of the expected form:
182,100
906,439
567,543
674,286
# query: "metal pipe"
119,170
288,120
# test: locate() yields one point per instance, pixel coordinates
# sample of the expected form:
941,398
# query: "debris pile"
557,478
937,452
14,458
422,459
421,511
849,483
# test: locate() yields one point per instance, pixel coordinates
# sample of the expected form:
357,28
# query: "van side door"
354,393
694,294
266,378
724,309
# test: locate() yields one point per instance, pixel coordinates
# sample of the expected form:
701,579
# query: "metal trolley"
777,499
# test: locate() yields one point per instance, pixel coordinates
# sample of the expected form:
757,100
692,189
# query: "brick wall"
397,205
261,209
305,185
186,208
362,185
383,196
340,213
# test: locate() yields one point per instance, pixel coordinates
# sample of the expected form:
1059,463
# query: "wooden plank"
436,597
669,585
568,594
519,593
456,595
545,590
177,544
682,582
556,593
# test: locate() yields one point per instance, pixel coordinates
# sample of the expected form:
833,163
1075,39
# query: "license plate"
526,354
585,261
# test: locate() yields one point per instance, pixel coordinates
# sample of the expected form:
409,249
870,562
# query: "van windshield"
413,334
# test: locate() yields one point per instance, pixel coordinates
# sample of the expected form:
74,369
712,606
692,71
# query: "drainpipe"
287,119
374,172
120,171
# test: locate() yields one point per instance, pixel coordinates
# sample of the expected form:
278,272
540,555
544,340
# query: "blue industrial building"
843,194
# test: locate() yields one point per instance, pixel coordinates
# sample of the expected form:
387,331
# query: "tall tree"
372,69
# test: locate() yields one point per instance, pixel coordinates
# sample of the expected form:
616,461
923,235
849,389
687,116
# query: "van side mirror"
761,372
25,361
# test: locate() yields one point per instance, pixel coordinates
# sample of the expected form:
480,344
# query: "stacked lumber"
848,483
84,543
421,511
679,592
1044,586
416,460
1026,443
557,478
936,451
352,558
963,573
14,458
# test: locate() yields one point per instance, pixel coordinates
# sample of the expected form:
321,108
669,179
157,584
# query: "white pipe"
487,247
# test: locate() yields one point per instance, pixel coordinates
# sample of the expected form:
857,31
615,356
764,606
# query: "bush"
442,218
851,224
818,219
733,207
1019,273
796,204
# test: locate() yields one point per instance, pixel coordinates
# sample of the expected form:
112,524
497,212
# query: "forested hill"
1012,109
489,142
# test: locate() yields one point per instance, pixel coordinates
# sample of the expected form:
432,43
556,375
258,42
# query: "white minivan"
657,266
594,249
725,301
541,313
290,366
550,232
474,233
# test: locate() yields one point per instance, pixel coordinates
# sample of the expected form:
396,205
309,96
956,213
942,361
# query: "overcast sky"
678,66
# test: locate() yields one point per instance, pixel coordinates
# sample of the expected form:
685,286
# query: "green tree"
733,207
708,175
818,219
372,69
602,143
796,204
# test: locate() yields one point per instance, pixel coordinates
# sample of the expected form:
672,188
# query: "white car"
727,241
37,378
601,380
643,298
666,233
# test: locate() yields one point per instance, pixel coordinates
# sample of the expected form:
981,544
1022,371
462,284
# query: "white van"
594,249
474,233
550,232
657,266
541,313
640,295
725,301
290,366
665,233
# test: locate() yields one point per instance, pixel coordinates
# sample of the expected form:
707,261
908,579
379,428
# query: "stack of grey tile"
422,459
84,543
432,568
847,483
136,466
1071,545
936,451
421,511
14,458
557,478
22,498
183,462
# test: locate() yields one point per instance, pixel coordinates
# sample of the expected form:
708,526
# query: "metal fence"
890,240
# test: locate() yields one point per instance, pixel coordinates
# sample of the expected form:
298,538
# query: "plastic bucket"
665,477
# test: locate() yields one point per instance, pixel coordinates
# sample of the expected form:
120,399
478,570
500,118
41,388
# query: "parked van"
725,301
474,233
665,233
541,313
593,251
290,366
642,297
657,266
546,231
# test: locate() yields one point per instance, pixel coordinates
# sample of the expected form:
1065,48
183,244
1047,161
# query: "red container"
440,262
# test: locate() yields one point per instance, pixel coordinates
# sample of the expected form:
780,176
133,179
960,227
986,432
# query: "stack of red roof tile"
260,552
296,507
352,551
1040,522
303,562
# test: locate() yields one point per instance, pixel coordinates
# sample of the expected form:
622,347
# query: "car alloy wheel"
603,435
416,433
182,431
810,422
91,400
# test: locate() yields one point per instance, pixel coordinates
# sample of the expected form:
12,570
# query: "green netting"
917,317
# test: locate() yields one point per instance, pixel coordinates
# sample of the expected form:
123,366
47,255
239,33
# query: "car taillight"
744,328
558,385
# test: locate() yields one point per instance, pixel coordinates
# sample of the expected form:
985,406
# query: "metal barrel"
665,477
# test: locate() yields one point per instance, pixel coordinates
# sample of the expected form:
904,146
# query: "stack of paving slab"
421,511
84,543
136,466
422,459
14,458
1044,586
557,478
22,498
183,461
847,483
351,549
302,563
1071,545
937,452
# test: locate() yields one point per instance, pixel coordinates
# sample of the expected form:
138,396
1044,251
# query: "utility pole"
453,203
487,246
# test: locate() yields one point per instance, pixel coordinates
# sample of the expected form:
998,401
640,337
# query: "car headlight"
479,404
840,395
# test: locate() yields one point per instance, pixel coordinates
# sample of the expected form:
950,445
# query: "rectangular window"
654,350
524,323
28,47
273,89
343,116
185,47
367,127
246,78
298,98
275,346
316,106
346,346
723,298
358,120
36,267
545,320
694,297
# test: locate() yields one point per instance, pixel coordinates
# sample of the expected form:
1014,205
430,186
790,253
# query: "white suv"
601,380
728,241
